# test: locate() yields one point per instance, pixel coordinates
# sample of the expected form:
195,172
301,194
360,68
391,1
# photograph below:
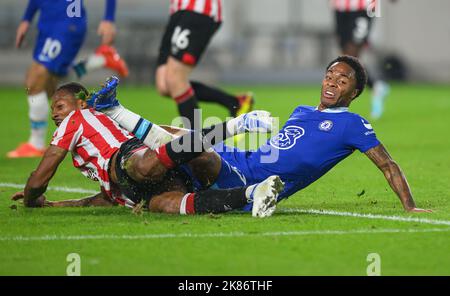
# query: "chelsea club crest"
326,125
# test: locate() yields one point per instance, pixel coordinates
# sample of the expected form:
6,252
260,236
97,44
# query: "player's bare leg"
167,202
160,81
262,195
40,84
206,168
177,79
52,84
352,49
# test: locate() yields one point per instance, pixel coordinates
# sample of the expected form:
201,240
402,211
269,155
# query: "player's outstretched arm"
106,28
38,181
395,177
22,30
98,200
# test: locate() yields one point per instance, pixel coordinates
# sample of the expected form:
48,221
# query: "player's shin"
187,104
207,93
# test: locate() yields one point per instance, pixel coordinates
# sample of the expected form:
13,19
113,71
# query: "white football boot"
264,196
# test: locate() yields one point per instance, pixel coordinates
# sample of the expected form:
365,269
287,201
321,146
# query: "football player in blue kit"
62,28
312,141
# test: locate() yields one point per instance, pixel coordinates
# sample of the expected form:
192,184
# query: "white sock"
94,61
152,135
249,192
38,114
127,119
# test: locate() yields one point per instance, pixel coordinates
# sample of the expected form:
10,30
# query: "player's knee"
36,79
352,49
177,79
161,83
206,160
162,89
173,79
206,167
168,203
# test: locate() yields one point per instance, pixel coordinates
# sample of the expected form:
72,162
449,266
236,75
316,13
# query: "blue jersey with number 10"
310,143
62,29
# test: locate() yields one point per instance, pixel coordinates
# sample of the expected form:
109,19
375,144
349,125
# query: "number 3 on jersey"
180,39
361,30
51,49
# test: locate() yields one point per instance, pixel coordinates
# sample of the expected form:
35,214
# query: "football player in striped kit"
353,26
133,174
191,26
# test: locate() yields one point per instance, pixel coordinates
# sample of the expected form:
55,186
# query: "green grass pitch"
295,241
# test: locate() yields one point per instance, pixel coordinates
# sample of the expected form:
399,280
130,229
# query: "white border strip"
304,211
212,235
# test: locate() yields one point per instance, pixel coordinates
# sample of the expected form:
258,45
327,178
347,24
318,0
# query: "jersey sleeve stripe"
207,7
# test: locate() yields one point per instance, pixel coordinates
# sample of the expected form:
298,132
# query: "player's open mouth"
328,94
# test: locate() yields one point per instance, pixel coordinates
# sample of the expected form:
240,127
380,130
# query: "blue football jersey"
55,13
62,29
310,143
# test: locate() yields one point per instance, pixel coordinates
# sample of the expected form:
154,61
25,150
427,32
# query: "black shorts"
138,191
186,37
352,27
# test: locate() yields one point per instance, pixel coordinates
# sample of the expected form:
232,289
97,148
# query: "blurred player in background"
191,26
62,28
353,25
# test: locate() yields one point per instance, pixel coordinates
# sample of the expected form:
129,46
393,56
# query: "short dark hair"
75,88
355,64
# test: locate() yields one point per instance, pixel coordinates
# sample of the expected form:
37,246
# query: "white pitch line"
304,211
368,216
209,235
52,188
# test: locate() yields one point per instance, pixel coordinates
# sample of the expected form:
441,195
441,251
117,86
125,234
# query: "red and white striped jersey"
352,5
211,8
92,138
